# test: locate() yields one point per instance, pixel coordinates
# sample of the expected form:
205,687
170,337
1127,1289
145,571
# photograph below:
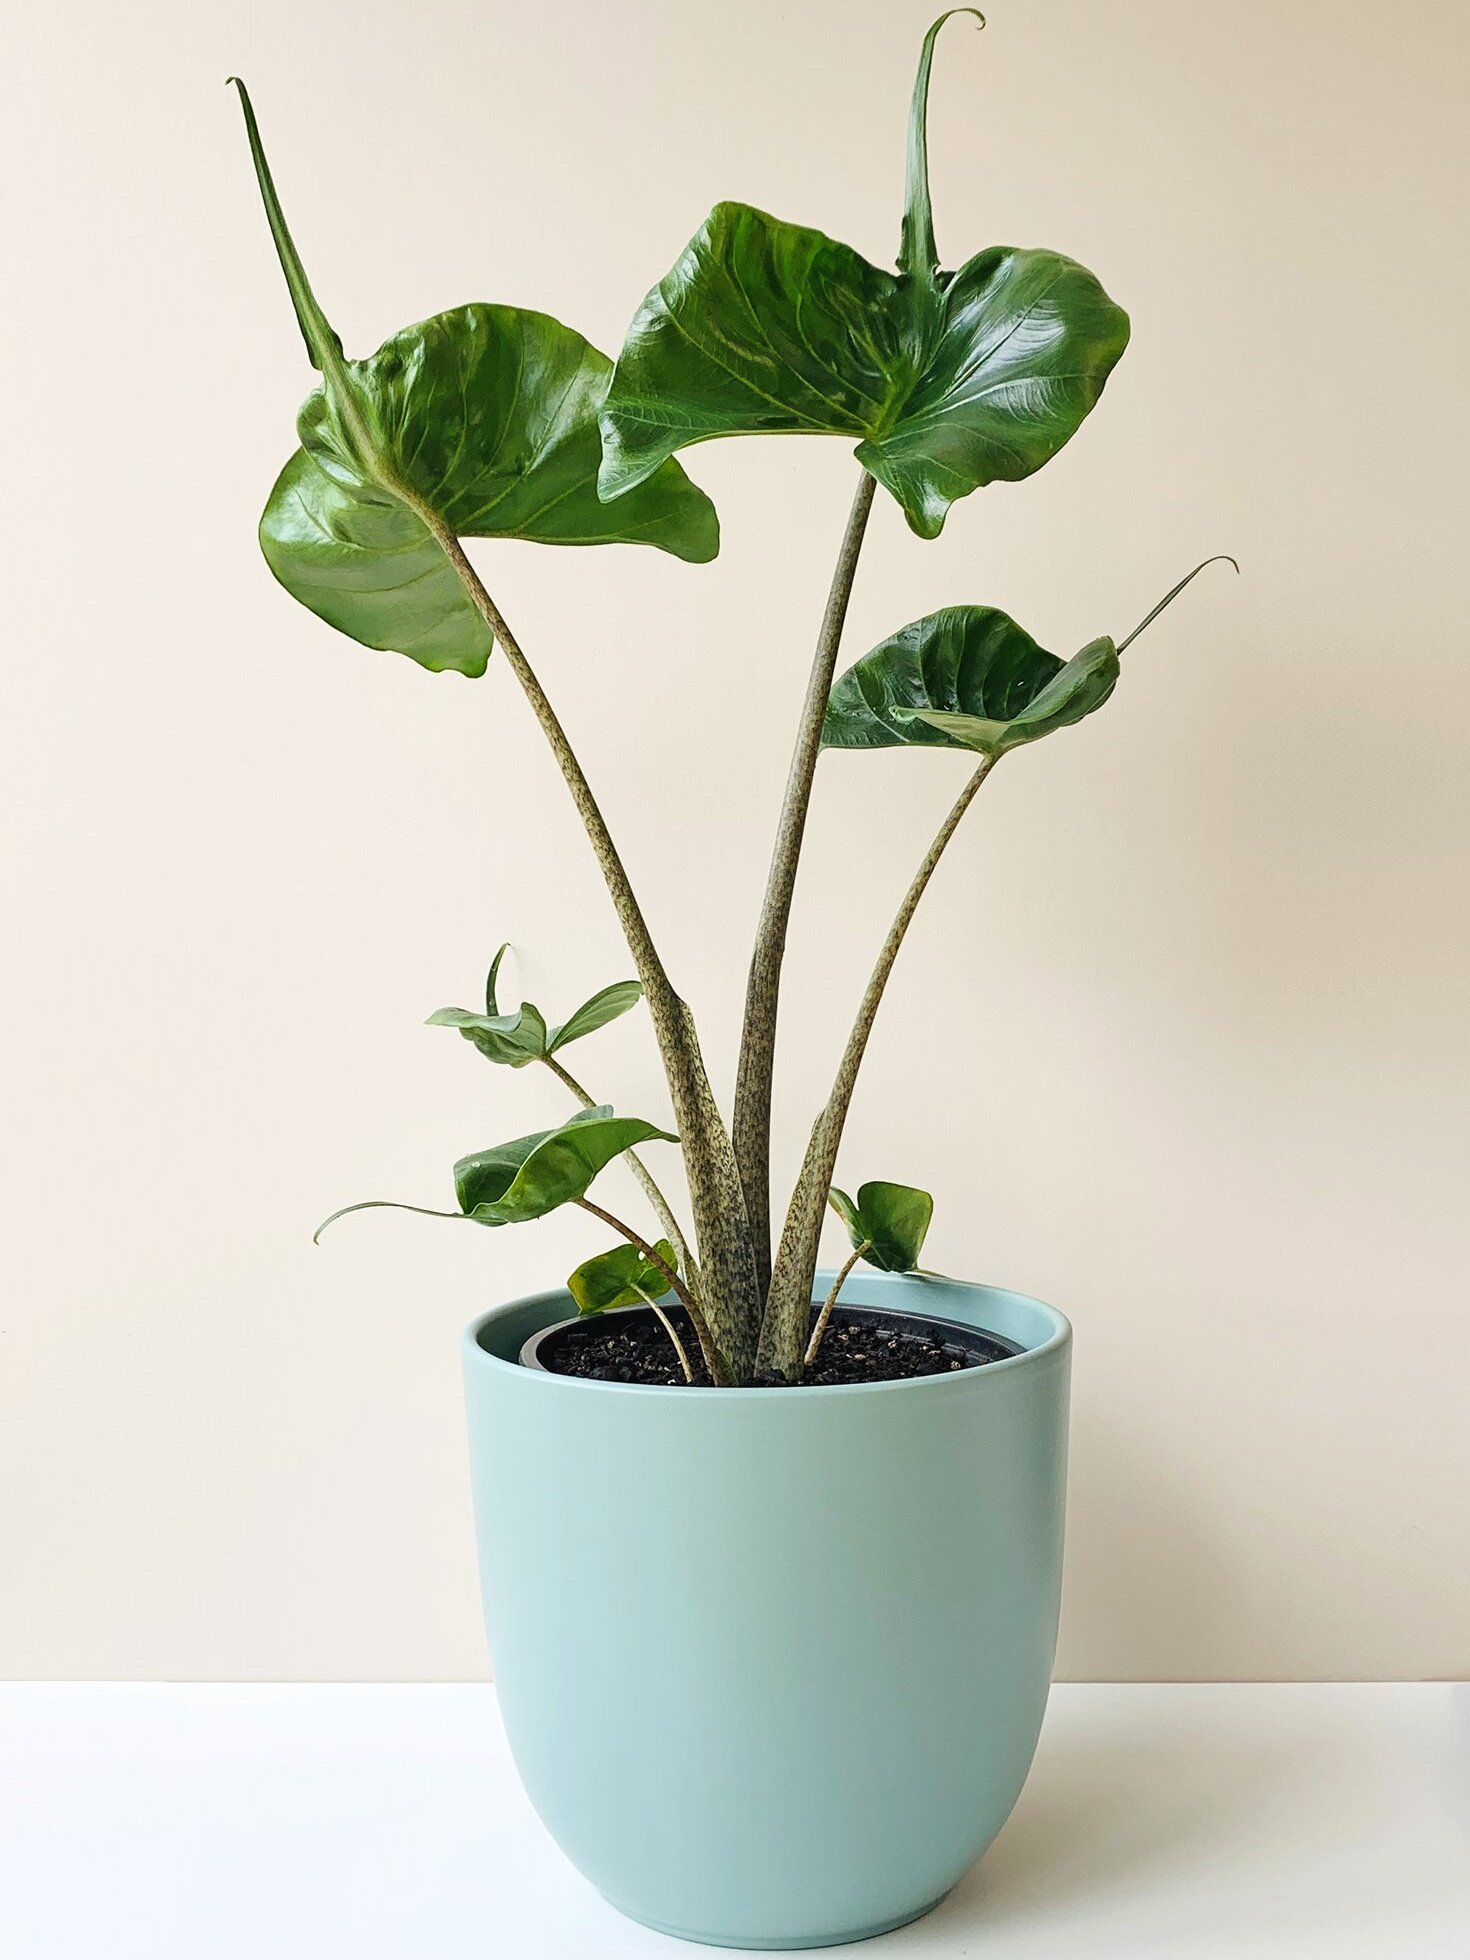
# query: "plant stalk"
826,1314
663,1211
714,1180
752,1122
788,1304
733,1296
673,1333
719,1373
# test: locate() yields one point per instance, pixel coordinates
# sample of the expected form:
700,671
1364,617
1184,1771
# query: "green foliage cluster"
492,421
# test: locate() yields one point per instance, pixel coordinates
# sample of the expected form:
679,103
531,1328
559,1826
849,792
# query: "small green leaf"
621,1278
481,422
522,1037
887,1222
513,1039
846,1209
597,1012
964,677
532,1175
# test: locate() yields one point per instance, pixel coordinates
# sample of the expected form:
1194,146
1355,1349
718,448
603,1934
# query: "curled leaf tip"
490,977
1220,558
917,255
379,1204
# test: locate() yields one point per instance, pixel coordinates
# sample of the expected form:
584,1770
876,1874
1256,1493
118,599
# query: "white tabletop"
144,1822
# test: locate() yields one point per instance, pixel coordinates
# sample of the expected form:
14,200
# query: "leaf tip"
324,349
917,254
1220,558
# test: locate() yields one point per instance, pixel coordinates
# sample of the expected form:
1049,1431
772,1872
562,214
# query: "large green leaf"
968,677
622,1277
965,677
948,380
522,1037
481,422
511,1039
887,1223
532,1175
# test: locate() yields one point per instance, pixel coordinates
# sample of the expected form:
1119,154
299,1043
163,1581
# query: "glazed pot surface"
773,1661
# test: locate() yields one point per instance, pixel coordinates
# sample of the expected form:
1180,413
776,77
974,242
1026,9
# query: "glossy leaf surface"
887,1221
947,381
480,422
623,1277
532,1175
966,677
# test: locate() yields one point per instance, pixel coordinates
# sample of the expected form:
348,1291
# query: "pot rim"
966,1380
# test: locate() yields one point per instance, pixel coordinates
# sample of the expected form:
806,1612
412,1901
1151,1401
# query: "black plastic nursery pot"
861,1345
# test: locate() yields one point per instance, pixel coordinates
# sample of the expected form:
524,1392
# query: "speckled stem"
826,1314
732,1291
788,1305
752,1124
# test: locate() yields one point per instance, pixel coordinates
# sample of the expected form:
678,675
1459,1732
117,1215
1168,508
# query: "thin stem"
630,914
752,1124
662,1209
789,1301
714,1181
673,1333
826,1314
719,1374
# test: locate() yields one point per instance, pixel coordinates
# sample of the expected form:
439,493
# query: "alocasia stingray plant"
490,421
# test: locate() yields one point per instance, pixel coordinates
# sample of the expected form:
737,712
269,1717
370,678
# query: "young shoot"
887,1225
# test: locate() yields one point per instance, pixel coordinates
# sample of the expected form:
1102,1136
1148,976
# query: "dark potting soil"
633,1347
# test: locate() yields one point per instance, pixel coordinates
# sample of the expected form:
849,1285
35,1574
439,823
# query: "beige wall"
1180,1038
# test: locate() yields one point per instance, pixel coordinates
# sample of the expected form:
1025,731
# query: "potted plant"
771,1559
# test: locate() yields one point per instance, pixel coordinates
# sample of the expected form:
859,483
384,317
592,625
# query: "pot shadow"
1100,1816
1123,1789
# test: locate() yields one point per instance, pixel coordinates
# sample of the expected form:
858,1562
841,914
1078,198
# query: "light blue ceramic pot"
773,1662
